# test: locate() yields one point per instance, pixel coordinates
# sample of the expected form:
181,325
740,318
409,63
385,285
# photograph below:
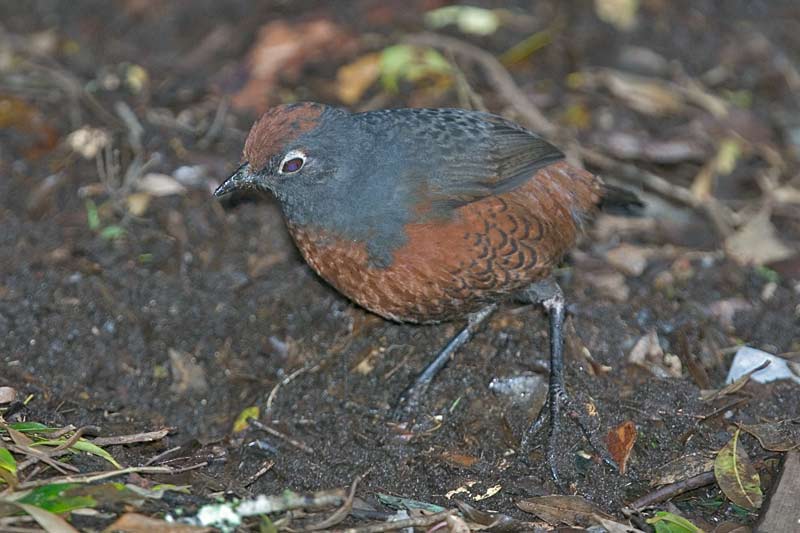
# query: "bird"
426,215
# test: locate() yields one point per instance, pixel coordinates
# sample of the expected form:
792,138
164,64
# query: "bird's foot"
558,405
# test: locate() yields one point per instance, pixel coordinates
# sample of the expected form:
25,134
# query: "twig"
417,521
343,511
134,438
722,217
498,76
92,477
166,453
285,381
216,125
135,129
44,457
265,467
669,491
283,436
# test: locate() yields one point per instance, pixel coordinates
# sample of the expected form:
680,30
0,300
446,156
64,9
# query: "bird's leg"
549,294
409,401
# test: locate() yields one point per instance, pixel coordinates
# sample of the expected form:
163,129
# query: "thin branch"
674,489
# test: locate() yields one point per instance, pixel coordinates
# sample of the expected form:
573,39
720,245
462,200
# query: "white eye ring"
289,158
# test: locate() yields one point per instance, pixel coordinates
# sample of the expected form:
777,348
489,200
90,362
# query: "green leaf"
30,427
7,461
82,445
736,475
404,62
53,498
665,522
112,232
92,217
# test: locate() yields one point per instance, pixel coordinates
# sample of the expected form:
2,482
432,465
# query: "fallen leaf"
722,164
404,62
569,510
650,96
282,49
648,354
629,258
725,310
242,421
734,386
684,467
491,491
757,242
619,13
615,527
456,524
736,475
780,436
665,522
469,19
159,185
620,443
137,523
7,394
460,459
610,284
493,521
88,141
187,375
353,79
138,203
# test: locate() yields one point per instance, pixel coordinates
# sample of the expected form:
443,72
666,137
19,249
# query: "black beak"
241,180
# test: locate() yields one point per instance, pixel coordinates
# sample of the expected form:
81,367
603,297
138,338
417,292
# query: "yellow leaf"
241,422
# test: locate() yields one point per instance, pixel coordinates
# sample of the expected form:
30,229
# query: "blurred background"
131,300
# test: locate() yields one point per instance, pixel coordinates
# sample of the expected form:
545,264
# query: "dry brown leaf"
685,467
757,242
620,443
629,258
137,523
282,49
159,185
649,96
353,79
648,354
569,510
460,459
138,203
187,374
7,394
730,388
780,436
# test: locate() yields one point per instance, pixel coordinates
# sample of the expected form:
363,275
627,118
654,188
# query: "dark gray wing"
463,156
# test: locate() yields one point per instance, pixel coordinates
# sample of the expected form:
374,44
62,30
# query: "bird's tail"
621,201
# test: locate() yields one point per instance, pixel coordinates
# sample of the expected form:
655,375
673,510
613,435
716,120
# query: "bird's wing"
464,156
500,158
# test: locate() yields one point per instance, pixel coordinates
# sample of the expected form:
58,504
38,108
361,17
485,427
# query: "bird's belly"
445,269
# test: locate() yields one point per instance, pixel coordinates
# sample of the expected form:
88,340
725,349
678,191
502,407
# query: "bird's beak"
241,180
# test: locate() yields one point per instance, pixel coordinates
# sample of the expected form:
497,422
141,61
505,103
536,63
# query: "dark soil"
87,323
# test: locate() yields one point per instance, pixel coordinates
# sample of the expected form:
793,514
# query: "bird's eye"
293,161
293,165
